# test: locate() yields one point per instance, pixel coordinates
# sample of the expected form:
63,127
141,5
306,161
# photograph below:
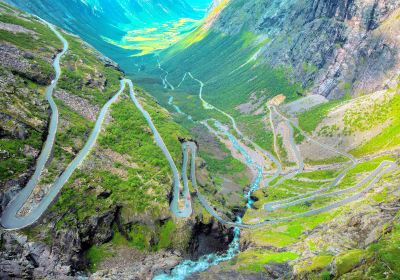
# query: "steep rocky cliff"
330,47
328,44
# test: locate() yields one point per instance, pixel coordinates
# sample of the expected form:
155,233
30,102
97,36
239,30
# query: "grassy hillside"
121,192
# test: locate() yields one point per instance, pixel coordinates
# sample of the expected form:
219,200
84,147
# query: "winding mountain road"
301,198
384,168
10,219
236,128
164,79
175,208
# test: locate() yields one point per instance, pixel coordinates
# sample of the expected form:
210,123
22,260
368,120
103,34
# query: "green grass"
348,261
227,54
15,161
95,255
41,43
227,165
255,126
22,100
146,187
224,87
385,256
320,174
390,136
283,234
72,133
317,263
254,260
335,159
80,63
378,261
139,237
143,188
298,136
310,119
166,234
361,117
45,37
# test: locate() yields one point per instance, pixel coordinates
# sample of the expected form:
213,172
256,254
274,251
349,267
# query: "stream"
189,267
10,219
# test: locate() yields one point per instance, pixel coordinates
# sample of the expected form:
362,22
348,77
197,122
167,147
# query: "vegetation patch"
95,255
348,261
310,119
317,263
254,260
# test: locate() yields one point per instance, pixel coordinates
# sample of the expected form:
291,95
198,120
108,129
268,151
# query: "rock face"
18,61
331,46
23,115
208,238
79,105
60,256
139,267
20,259
228,276
358,229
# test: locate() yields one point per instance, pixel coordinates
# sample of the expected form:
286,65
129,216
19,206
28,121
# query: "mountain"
117,199
332,68
287,110
199,4
120,22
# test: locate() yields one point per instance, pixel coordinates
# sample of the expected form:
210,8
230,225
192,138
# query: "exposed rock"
15,28
303,104
228,275
277,270
208,238
11,127
78,104
336,131
252,105
328,44
358,229
103,193
20,259
13,58
97,81
137,266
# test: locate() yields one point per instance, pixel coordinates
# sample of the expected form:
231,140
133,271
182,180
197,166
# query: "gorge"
196,140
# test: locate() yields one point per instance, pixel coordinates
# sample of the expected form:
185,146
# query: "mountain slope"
255,54
242,84
117,200
324,45
118,22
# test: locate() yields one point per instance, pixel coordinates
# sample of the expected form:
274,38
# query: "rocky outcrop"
139,266
23,63
22,259
12,128
331,46
78,104
58,254
359,229
15,28
228,276
208,238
